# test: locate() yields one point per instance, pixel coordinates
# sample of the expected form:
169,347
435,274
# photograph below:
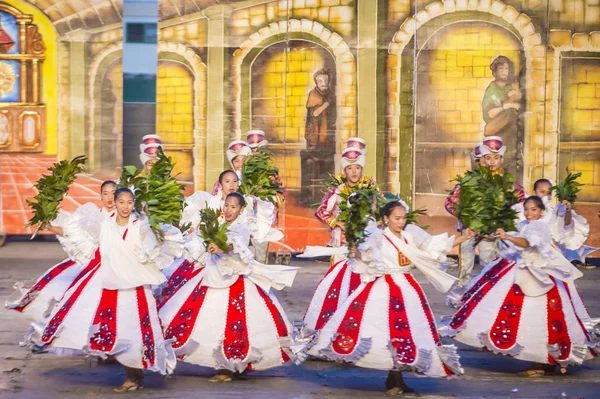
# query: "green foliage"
158,194
358,213
485,201
52,189
365,189
567,189
259,176
211,231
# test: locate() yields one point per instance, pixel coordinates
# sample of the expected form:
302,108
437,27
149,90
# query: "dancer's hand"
501,234
214,249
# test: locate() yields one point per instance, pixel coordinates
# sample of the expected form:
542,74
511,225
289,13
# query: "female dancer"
257,217
73,232
387,324
227,316
526,305
111,310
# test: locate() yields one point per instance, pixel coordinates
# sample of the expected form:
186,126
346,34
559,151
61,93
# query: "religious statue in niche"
501,106
317,161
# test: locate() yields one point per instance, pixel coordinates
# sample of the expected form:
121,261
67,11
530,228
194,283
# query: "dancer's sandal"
531,373
395,391
129,386
220,378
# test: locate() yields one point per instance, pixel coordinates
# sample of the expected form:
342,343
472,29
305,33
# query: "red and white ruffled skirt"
336,286
235,328
495,315
387,324
95,321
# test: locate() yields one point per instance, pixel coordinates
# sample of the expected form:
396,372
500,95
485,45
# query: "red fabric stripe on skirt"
494,270
184,273
467,308
349,329
236,343
59,316
149,354
426,308
354,282
505,329
282,330
330,304
183,323
92,264
43,282
106,320
585,332
400,335
558,332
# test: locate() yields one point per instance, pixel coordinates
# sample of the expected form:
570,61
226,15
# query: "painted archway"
399,118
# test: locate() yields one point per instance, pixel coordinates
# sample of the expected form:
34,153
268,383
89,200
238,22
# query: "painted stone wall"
409,76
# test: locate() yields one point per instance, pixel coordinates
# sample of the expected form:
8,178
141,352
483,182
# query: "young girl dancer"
72,230
339,281
227,316
257,218
387,324
111,310
525,304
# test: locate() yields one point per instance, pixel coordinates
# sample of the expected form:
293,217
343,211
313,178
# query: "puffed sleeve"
571,236
438,246
160,253
81,231
193,205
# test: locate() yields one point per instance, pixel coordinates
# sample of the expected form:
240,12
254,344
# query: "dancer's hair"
122,190
224,173
538,202
106,183
387,210
239,197
541,181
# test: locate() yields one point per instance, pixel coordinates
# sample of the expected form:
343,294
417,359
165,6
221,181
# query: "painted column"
77,100
217,137
368,13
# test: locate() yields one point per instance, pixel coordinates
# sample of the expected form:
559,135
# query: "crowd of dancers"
148,302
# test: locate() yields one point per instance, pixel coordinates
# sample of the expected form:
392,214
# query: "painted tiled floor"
18,174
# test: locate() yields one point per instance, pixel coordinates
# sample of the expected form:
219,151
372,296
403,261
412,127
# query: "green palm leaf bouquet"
158,194
358,213
485,201
568,189
210,229
260,177
52,189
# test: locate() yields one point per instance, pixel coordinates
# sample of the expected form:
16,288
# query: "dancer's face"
397,219
353,173
107,196
532,211
232,209
237,162
125,203
543,190
492,161
229,183
148,165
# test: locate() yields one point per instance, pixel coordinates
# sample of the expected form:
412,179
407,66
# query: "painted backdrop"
421,81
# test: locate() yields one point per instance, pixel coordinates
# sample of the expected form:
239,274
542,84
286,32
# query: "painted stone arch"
400,114
181,111
295,29
105,124
174,52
